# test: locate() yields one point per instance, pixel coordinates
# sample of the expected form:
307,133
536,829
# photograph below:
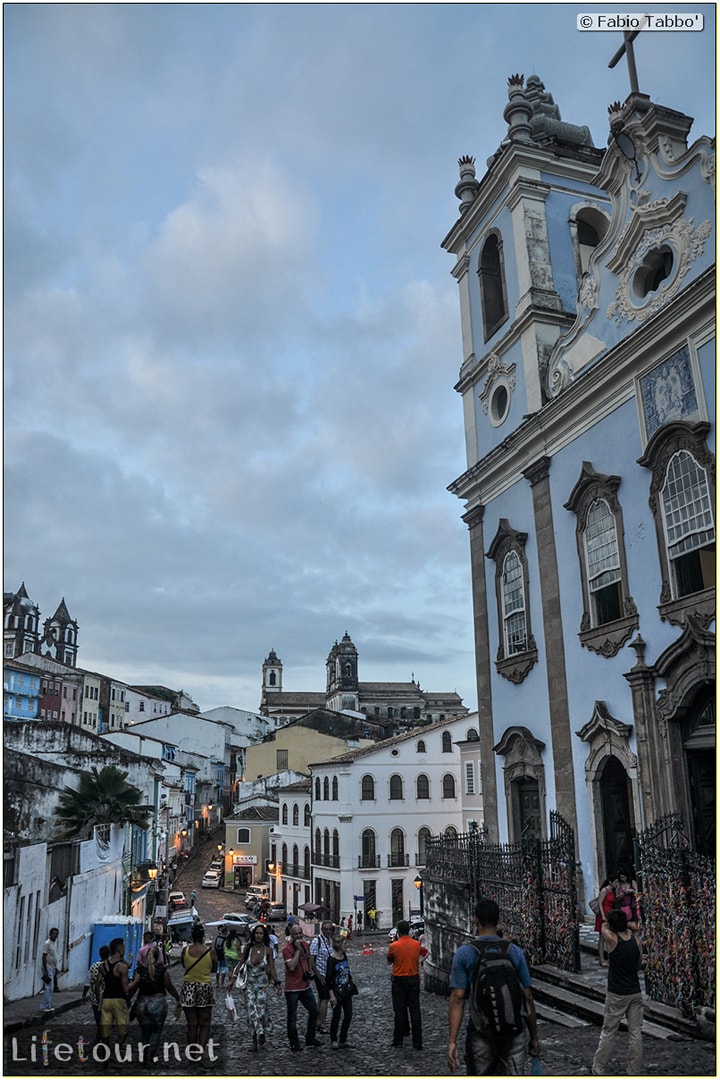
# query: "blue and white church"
587,299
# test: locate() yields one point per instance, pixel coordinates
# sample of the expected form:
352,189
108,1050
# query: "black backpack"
496,996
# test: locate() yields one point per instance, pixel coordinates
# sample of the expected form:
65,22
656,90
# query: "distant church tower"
342,676
20,624
60,637
272,672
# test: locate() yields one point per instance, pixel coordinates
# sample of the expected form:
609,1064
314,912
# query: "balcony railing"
297,871
321,859
369,862
398,858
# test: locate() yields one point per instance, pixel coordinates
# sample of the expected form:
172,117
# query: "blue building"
587,298
21,691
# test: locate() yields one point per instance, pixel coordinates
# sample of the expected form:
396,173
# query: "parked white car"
211,880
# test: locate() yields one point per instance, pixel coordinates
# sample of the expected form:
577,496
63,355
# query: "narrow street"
565,1050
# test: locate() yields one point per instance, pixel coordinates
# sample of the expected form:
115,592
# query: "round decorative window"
499,403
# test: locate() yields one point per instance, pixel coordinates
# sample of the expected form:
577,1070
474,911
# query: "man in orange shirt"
404,955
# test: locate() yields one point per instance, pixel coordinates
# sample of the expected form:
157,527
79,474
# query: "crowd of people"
246,966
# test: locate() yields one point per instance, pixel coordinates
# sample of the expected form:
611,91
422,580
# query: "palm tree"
103,798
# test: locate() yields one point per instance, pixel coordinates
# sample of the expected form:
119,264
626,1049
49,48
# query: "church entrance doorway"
699,747
617,817
528,793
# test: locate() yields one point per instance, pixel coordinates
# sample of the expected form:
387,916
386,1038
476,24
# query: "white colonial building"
353,837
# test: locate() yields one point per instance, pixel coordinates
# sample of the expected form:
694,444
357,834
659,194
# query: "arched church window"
513,593
603,563
588,226
296,814
284,815
517,652
609,613
422,787
492,285
689,526
446,742
682,495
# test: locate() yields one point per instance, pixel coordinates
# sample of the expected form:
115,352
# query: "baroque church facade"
21,630
587,300
401,705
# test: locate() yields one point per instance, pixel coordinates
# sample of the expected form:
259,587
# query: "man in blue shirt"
485,1055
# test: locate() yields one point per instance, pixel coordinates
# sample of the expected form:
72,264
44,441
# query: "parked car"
211,880
276,912
417,927
237,917
217,864
177,900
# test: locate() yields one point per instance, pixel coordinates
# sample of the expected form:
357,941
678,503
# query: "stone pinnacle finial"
516,81
467,188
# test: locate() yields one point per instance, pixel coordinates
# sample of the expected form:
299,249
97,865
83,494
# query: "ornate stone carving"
686,244
497,371
514,668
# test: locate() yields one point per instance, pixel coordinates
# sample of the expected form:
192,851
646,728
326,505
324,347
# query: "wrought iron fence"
534,883
678,913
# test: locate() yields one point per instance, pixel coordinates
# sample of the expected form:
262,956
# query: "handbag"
594,905
241,977
348,990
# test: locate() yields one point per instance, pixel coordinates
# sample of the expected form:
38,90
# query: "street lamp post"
418,883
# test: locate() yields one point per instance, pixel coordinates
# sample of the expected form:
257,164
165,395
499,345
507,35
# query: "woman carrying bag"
257,968
342,990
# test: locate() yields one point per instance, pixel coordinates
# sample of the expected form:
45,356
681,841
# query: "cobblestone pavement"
566,1051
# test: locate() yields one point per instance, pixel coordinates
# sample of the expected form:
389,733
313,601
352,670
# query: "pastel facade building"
587,301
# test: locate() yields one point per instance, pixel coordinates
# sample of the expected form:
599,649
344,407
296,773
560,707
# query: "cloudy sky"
231,336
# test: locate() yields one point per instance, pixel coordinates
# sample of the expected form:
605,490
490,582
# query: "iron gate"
534,883
678,914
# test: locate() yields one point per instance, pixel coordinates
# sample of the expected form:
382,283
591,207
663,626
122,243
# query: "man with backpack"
495,976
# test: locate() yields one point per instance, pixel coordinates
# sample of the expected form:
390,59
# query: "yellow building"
318,736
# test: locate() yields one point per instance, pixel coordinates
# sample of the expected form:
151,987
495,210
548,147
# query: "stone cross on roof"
626,49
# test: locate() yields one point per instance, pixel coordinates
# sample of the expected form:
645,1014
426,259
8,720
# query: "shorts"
322,989
197,995
222,967
114,1011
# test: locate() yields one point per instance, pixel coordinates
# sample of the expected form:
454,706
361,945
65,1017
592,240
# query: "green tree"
103,798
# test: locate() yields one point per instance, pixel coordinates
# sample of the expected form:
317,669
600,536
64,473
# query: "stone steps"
583,997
